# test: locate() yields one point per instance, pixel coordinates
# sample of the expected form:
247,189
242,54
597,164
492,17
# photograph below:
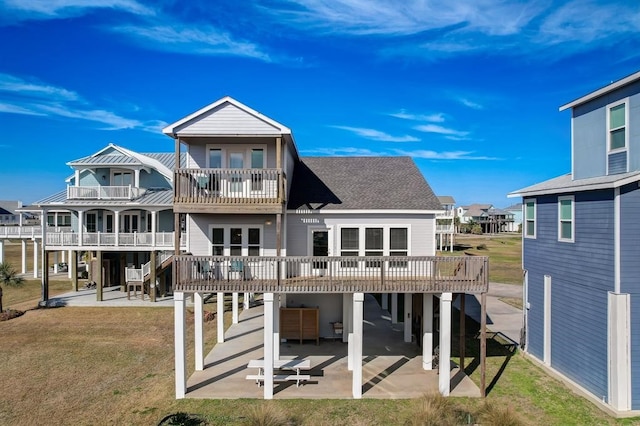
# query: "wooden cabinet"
300,324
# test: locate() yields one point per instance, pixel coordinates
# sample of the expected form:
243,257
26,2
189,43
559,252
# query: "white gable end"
227,119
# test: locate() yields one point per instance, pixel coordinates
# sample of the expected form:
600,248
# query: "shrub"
499,416
482,247
265,415
434,410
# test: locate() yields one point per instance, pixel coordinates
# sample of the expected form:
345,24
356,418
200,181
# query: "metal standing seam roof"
360,183
153,197
566,183
107,160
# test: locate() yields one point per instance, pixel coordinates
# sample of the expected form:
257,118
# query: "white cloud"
471,104
444,155
191,39
31,97
52,9
441,130
431,118
377,135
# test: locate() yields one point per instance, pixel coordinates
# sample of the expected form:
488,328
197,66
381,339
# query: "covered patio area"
391,368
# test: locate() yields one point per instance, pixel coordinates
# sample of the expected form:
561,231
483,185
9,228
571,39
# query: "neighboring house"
306,231
445,223
516,211
490,219
580,251
9,214
118,208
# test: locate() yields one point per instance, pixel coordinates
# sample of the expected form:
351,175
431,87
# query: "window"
398,246
254,242
64,219
257,162
617,127
215,162
373,245
121,179
349,245
530,218
235,246
51,220
565,219
217,242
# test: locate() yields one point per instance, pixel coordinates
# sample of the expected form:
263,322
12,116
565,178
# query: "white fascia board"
307,211
606,89
577,188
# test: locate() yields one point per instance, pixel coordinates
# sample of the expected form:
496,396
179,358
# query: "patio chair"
236,267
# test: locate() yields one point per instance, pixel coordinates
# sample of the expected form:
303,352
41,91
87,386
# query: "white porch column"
234,308
546,356
619,351
408,317
80,226
180,343
69,264
24,255
116,226
136,178
427,329
55,262
444,364
220,316
385,301
268,345
276,326
347,304
245,301
154,228
358,317
1,251
394,308
76,181
35,258
198,325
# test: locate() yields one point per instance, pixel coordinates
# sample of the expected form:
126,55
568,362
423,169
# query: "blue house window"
530,218
617,127
565,219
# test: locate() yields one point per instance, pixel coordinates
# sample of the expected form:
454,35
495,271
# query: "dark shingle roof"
360,183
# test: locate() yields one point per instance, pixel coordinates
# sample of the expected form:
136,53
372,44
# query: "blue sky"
470,90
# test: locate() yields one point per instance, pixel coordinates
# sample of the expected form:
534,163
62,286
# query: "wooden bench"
259,378
281,364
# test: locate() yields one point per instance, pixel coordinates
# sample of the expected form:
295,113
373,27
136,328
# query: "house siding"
226,119
590,132
578,293
198,228
617,162
153,180
629,273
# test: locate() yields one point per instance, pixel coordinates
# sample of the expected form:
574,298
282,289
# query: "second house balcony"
111,241
103,192
229,190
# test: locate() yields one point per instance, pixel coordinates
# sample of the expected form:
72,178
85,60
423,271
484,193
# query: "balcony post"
408,317
358,317
80,226
268,345
220,316
427,329
35,258
116,227
198,318
153,228
24,255
180,344
444,363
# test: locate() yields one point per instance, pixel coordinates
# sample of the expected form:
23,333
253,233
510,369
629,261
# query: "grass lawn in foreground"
115,366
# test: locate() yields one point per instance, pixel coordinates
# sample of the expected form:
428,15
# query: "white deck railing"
103,192
444,229
105,239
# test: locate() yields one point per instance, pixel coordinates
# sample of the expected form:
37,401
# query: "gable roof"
360,183
565,183
446,199
114,155
214,118
603,91
3,211
475,210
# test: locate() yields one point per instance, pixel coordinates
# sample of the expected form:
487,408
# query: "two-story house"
116,212
445,223
580,251
313,233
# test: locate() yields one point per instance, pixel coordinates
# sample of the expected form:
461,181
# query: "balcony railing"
105,239
332,274
103,192
444,229
32,232
229,186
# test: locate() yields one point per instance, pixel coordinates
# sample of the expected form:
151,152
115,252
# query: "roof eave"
602,91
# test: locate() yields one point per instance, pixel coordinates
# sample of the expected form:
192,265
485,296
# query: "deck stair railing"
143,273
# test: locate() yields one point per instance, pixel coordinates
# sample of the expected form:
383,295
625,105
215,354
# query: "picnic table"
293,365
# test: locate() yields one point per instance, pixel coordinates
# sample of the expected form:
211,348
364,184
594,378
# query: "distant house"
580,251
516,211
9,214
445,226
490,219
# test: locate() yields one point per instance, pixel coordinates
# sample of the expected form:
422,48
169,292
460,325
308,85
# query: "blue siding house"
580,252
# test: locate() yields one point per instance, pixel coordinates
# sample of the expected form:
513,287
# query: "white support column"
64,256
546,357
198,326
35,258
234,308
347,304
69,263
245,301
55,262
220,316
358,317
154,228
180,344
24,255
136,178
444,364
408,317
116,226
276,326
619,351
81,227
1,251
385,301
268,345
394,308
427,329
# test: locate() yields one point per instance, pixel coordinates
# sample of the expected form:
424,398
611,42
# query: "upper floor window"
530,218
617,119
565,218
122,179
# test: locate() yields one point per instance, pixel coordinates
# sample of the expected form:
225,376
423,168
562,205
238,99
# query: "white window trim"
226,250
245,149
535,218
114,171
609,151
386,237
573,219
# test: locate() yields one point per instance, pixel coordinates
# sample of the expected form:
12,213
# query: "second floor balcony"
103,192
228,190
121,240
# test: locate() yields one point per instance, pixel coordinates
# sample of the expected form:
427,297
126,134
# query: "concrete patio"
392,369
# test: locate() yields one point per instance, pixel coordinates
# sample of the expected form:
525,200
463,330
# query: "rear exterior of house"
580,238
309,233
